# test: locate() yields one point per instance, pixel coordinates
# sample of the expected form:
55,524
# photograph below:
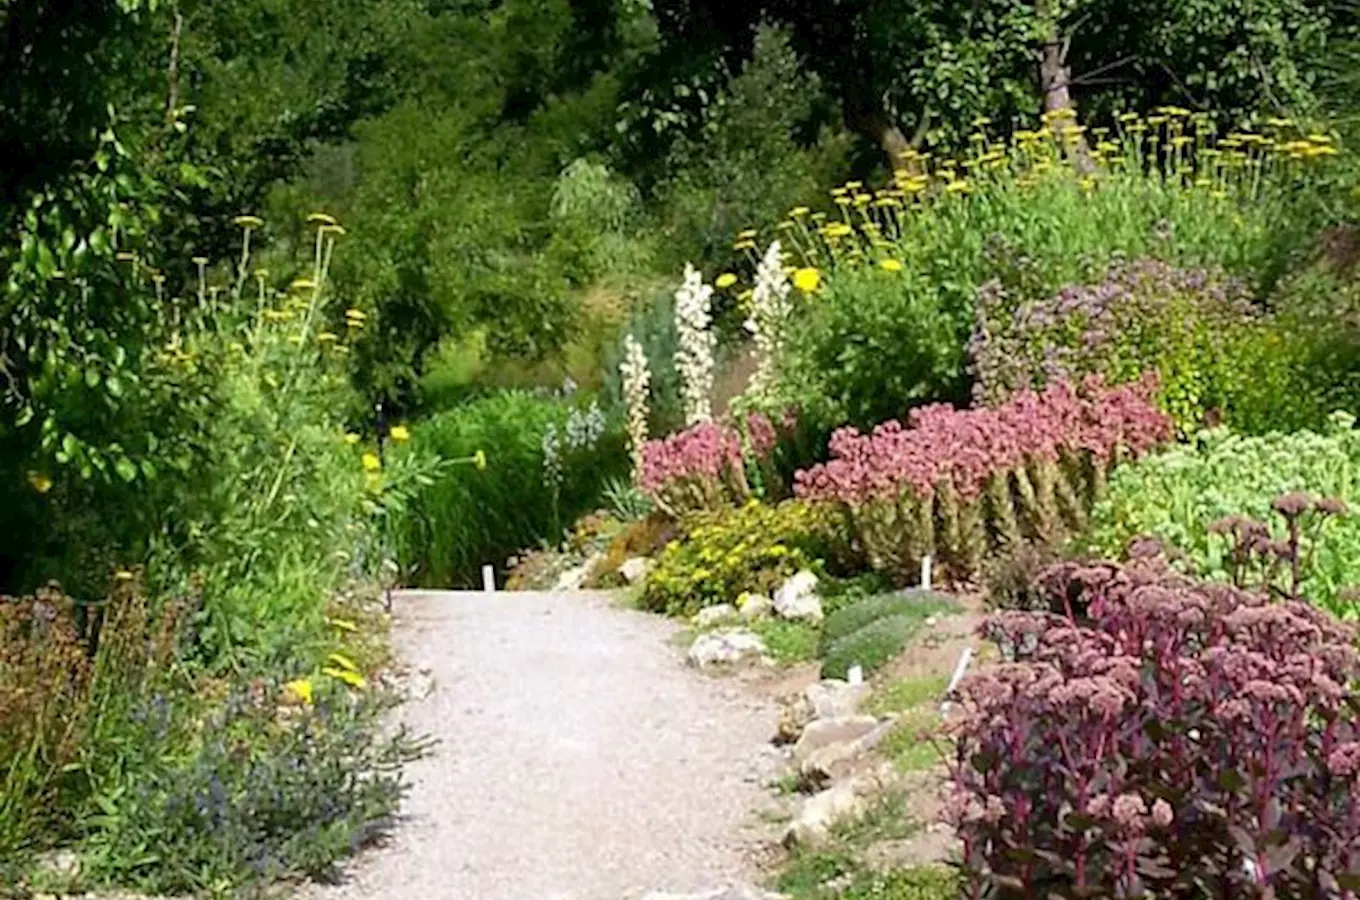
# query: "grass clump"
870,647
912,603
907,693
546,461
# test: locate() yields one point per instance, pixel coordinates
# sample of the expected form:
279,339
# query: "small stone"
826,732
820,813
635,569
797,598
726,647
712,616
932,621
572,579
754,607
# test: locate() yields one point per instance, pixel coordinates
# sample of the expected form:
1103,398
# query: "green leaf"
126,469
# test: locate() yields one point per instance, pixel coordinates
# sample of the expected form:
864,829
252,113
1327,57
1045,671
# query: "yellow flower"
372,463
351,438
302,284
301,690
126,256
479,459
249,221
890,265
353,679
326,337
122,575
40,482
320,218
807,280
798,212
399,433
725,280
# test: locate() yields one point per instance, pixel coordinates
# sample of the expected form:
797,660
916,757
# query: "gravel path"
580,759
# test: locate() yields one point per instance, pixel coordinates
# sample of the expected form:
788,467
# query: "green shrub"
725,554
871,646
912,602
1178,494
473,516
902,265
1184,324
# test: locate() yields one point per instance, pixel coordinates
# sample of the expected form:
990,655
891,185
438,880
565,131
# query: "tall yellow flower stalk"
637,379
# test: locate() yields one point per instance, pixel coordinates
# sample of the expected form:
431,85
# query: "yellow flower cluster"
1180,146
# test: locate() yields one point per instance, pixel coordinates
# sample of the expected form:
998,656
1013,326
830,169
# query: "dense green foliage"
521,497
217,449
1180,494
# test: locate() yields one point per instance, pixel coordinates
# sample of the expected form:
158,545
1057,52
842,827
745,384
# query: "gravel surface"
580,759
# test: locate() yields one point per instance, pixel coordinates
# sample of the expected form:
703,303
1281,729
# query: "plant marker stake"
855,676
964,659
925,573
488,579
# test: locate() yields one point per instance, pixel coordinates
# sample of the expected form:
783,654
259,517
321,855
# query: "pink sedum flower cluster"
706,450
965,448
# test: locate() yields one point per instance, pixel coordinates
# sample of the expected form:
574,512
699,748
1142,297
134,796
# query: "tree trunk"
1055,80
869,119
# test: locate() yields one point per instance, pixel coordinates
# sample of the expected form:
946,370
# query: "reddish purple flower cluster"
1182,738
967,447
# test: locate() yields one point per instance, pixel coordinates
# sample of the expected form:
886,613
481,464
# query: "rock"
797,598
735,892
836,761
726,647
572,579
840,803
754,607
712,616
827,699
635,569
823,733
61,863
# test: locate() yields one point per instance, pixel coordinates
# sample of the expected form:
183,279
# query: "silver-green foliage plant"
1177,496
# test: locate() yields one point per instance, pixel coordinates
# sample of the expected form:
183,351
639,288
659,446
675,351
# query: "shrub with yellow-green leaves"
727,553
888,278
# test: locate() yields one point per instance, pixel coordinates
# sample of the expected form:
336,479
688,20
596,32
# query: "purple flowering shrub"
1161,735
1183,324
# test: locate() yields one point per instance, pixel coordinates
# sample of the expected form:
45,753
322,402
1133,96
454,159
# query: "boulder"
797,598
822,733
635,569
712,616
836,761
754,607
827,699
728,646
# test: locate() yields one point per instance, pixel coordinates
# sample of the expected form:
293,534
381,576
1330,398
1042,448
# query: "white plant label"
855,676
925,573
488,579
